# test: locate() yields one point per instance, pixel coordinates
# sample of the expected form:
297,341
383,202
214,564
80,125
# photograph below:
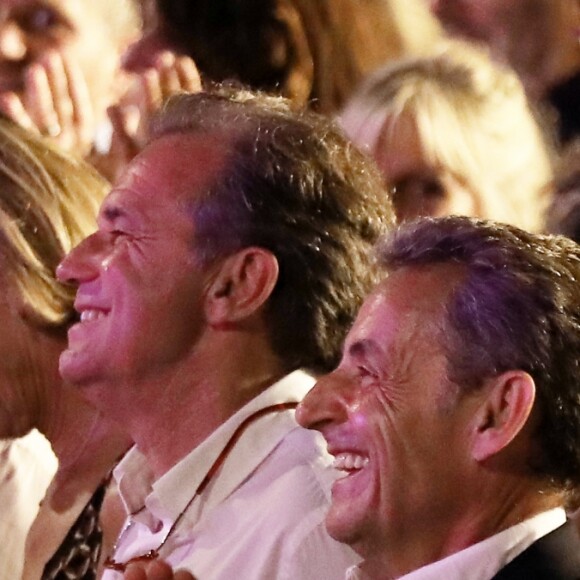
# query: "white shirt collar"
166,497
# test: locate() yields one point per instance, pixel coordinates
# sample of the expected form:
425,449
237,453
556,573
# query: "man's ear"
243,283
503,414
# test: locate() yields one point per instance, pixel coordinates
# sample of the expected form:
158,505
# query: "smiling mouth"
349,462
91,314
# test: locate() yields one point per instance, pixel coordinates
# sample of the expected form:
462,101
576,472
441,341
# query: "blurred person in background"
48,202
564,211
453,133
27,465
539,39
311,51
60,67
314,52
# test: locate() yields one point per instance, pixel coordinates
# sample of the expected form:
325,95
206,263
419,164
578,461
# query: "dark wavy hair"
516,307
294,185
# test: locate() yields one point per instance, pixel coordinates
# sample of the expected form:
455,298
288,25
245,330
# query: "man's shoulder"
556,556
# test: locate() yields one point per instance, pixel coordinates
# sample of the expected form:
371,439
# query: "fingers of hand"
156,570
82,112
176,74
184,575
126,140
152,93
124,120
38,101
58,101
135,572
59,88
189,78
12,106
168,77
159,570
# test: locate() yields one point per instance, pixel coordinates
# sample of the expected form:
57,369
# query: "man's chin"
73,367
342,525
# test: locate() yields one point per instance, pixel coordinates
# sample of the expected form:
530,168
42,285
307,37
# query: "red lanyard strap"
112,564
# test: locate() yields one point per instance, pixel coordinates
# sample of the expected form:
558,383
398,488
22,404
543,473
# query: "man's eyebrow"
112,212
363,348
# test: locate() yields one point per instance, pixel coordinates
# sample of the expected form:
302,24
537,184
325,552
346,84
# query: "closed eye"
367,378
117,236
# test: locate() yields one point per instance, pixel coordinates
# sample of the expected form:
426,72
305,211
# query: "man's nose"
82,262
12,41
327,402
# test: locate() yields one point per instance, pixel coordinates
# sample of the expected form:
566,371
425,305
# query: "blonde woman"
539,39
48,203
454,133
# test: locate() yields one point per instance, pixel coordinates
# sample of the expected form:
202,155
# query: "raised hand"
130,118
55,102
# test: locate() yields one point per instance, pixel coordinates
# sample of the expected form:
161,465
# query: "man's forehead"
189,157
128,211
426,287
387,328
166,176
409,302
173,166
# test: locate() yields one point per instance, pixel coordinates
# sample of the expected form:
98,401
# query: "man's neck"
170,414
429,544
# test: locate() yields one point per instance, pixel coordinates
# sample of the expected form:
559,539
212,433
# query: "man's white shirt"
261,516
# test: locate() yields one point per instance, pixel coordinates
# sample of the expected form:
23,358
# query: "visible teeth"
349,461
90,315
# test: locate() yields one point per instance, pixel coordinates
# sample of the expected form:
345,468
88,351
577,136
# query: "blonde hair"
48,204
472,117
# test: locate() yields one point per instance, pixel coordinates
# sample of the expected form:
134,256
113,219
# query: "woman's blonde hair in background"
473,118
48,203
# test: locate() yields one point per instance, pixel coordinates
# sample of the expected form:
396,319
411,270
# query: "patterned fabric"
78,555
